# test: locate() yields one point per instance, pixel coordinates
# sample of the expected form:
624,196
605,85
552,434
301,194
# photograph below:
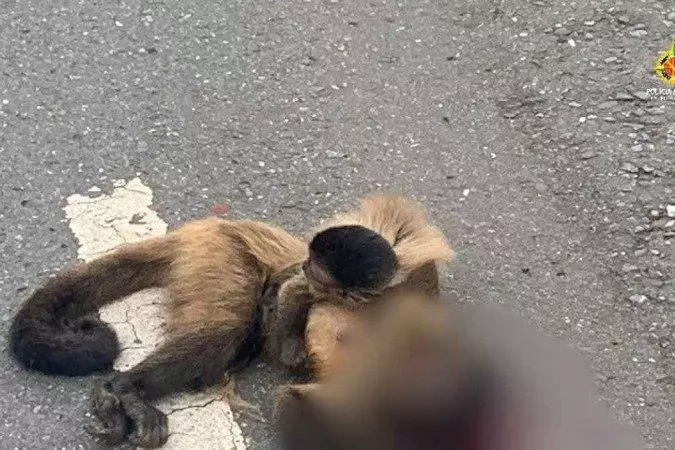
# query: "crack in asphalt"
198,406
131,324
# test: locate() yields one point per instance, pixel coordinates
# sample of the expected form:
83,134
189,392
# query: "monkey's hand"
292,353
285,341
125,417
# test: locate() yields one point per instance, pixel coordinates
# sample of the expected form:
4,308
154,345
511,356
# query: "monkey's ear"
301,424
319,274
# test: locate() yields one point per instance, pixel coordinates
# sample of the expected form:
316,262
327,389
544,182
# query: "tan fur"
404,223
233,286
214,269
329,329
219,289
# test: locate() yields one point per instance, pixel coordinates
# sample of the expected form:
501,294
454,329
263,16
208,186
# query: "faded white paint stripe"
102,222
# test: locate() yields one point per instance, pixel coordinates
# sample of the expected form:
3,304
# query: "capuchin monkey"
235,289
344,274
420,375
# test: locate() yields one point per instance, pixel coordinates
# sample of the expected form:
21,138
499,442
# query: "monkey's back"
220,268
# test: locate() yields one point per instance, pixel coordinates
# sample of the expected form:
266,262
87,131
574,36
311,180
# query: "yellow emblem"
664,67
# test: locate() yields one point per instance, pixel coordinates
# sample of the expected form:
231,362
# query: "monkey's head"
350,261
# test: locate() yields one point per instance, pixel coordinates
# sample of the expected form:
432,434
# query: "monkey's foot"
110,427
125,417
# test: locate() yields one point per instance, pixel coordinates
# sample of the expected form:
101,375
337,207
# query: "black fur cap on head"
355,256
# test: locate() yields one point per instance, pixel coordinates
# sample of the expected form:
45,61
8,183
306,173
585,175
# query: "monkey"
401,243
216,273
436,376
422,249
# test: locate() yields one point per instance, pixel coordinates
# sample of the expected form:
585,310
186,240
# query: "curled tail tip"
86,345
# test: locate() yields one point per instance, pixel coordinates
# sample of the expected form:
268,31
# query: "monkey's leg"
285,339
187,361
213,327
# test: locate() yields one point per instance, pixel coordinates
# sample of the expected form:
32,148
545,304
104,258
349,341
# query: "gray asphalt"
525,126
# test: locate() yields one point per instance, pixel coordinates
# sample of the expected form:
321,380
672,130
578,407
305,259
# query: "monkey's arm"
286,302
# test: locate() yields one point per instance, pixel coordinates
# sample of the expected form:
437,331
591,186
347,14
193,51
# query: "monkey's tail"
58,330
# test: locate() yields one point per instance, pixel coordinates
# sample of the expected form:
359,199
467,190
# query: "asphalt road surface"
531,129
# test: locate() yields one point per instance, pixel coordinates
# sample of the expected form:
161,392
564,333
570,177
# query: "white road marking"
101,223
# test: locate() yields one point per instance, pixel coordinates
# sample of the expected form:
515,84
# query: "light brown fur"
421,250
219,288
330,328
214,271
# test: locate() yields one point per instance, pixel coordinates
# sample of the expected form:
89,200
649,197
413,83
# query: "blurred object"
471,379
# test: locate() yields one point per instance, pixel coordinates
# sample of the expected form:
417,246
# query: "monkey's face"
319,278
